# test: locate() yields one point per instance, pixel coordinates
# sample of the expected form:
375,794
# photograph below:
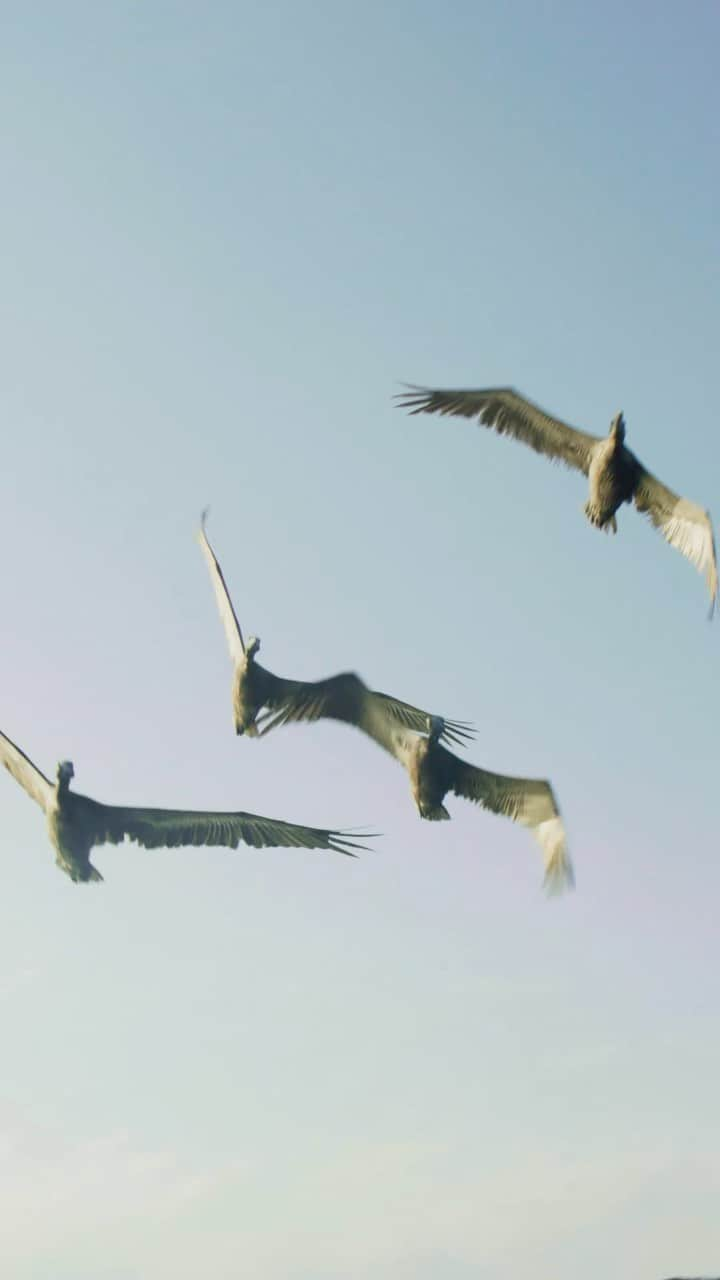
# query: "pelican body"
69,833
612,477
251,689
426,783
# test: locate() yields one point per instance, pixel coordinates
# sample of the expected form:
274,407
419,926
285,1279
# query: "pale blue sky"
229,231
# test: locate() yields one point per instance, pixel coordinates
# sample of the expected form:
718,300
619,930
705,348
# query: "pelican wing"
276,690
529,801
458,732
683,524
174,828
346,697
25,772
236,644
511,414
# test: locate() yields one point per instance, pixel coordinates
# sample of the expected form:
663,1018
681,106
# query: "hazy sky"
229,231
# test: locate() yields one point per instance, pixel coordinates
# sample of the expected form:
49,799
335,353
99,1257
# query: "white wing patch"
558,867
683,524
694,539
230,623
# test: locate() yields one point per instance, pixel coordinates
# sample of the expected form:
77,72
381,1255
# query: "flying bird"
433,771
614,473
342,697
76,824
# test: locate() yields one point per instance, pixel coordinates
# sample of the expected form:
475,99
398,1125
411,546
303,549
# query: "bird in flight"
433,771
615,475
342,697
76,824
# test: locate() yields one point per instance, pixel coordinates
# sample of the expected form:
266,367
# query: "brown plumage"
615,475
76,824
434,771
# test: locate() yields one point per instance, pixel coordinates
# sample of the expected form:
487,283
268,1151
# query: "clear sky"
228,232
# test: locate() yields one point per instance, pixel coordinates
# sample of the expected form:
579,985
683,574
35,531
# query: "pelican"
434,771
615,474
342,697
76,824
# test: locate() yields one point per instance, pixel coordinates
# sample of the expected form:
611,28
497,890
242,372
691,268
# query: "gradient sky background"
229,231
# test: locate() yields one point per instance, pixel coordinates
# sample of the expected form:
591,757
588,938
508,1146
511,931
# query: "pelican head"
65,773
435,726
617,428
252,646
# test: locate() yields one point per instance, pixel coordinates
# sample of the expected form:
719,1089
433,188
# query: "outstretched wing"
683,524
346,697
511,414
236,644
406,716
25,772
173,828
529,801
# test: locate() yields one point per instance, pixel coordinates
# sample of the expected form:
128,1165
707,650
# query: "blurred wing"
529,801
174,828
511,414
342,697
683,524
236,644
458,732
276,690
346,697
25,772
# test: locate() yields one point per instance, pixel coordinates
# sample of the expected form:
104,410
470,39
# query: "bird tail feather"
438,813
608,524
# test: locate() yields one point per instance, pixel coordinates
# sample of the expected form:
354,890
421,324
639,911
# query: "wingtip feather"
559,874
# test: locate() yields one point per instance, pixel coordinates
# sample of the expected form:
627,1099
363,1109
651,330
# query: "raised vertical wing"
236,644
25,772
